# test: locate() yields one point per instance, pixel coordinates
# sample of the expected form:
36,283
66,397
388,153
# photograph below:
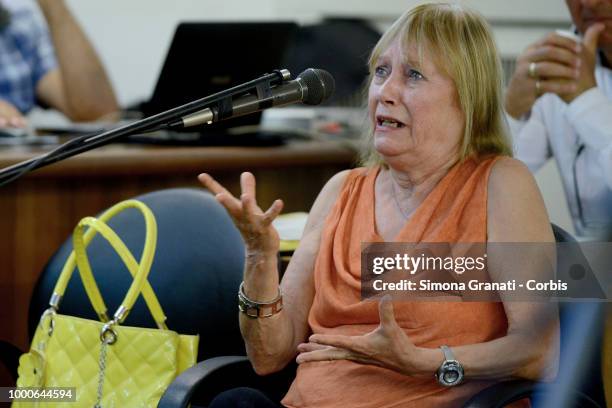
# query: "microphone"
311,87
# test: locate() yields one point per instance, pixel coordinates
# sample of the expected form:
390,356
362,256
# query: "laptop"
205,58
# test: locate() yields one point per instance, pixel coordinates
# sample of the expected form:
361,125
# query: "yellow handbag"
104,363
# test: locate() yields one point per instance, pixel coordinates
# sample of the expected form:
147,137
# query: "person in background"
436,169
49,61
559,104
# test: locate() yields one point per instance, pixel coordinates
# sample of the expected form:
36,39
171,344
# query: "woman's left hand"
387,346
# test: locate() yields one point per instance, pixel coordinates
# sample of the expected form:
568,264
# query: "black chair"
196,272
218,374
579,382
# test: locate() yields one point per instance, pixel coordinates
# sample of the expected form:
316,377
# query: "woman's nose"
389,90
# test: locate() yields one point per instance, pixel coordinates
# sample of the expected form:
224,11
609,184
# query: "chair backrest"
581,324
196,272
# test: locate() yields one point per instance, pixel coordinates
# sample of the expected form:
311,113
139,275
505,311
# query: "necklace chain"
397,202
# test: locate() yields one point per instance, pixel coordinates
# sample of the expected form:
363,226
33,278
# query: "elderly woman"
437,170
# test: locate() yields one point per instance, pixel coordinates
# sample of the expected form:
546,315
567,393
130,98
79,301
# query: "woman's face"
414,109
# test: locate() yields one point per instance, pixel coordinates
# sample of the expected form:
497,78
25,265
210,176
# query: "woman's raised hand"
254,224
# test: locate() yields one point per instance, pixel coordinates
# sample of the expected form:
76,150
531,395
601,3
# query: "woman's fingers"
386,312
249,206
325,354
214,186
231,204
310,352
339,341
306,347
223,196
273,212
247,184
244,208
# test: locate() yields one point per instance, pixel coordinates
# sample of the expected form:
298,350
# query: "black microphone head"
320,85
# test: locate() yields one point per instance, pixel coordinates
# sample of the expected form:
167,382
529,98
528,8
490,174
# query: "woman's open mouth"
388,122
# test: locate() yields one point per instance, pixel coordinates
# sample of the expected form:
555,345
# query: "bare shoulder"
326,199
512,184
515,208
335,183
510,177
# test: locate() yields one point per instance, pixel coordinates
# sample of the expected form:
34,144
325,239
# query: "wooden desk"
38,212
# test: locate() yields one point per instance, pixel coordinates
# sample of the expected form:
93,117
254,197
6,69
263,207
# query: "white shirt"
554,128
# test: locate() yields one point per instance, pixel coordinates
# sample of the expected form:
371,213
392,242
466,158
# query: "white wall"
547,10
132,36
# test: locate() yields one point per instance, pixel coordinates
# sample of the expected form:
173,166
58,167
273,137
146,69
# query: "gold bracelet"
254,309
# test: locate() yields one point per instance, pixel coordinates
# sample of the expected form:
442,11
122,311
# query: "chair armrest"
505,392
181,390
9,357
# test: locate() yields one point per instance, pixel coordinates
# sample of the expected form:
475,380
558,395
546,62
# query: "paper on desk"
290,228
52,121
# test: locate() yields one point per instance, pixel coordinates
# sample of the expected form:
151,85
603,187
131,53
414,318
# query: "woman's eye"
381,71
414,74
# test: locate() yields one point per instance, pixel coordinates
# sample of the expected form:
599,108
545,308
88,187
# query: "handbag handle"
139,271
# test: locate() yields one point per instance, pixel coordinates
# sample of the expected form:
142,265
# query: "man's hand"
587,57
555,64
10,116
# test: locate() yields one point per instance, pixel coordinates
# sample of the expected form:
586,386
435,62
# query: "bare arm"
516,213
80,87
272,342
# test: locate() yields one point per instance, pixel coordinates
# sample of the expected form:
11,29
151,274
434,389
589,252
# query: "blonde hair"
460,41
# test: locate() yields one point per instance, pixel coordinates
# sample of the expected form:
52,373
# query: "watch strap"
448,354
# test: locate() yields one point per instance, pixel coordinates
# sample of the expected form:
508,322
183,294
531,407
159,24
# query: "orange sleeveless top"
454,211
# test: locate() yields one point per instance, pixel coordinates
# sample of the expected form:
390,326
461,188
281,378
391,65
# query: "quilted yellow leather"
140,365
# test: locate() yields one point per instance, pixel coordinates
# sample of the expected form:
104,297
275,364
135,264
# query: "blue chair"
196,272
579,382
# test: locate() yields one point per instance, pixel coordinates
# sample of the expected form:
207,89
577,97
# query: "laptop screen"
205,58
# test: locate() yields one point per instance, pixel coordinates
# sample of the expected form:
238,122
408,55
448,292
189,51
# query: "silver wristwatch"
450,372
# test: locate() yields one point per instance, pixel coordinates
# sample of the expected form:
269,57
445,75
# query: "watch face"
450,376
450,373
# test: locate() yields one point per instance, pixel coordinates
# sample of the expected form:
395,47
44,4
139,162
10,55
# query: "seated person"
559,103
59,69
436,169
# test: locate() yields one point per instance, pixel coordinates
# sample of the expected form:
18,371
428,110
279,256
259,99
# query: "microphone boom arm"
161,120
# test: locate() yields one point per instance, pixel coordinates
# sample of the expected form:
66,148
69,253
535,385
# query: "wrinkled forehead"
410,52
423,42
416,40
418,51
